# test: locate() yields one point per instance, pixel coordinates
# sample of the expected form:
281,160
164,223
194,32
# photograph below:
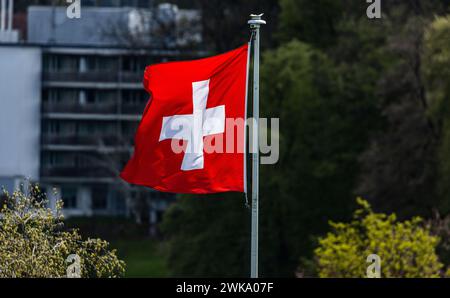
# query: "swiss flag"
191,135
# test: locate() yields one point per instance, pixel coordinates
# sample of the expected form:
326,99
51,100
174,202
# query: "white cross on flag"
193,127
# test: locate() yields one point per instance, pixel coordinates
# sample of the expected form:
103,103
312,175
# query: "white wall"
20,97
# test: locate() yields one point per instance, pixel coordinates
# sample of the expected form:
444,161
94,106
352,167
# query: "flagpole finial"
256,20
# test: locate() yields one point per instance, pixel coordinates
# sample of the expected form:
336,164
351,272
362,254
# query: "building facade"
85,102
20,89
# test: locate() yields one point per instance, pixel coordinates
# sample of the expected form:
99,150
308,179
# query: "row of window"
99,197
132,3
93,96
59,159
87,128
77,63
54,159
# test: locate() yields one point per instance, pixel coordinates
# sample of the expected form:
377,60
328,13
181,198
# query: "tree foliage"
406,249
225,26
34,243
312,22
436,74
313,179
398,165
208,236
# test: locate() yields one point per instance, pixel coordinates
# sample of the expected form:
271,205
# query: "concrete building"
20,89
70,101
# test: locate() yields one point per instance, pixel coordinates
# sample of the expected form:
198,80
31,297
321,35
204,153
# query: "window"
68,63
83,161
58,159
52,127
50,63
69,197
85,128
90,96
99,197
129,128
67,96
133,97
129,64
107,63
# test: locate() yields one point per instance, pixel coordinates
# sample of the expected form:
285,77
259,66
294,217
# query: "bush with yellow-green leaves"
406,249
34,243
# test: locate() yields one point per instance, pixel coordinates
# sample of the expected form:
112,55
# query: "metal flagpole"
255,22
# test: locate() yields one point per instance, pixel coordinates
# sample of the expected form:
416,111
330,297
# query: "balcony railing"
133,109
130,77
73,171
109,108
104,76
93,140
105,108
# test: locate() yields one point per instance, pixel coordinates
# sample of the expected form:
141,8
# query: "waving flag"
191,135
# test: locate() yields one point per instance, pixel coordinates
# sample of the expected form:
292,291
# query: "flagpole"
255,22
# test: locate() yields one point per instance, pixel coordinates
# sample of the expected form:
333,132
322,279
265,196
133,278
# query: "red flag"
191,138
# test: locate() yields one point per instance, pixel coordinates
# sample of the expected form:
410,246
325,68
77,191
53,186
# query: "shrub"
406,249
34,243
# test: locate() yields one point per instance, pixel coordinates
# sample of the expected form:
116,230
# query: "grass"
143,257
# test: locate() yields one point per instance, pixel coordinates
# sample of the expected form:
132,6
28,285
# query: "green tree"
33,242
224,23
398,166
406,249
436,72
208,236
322,134
313,22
